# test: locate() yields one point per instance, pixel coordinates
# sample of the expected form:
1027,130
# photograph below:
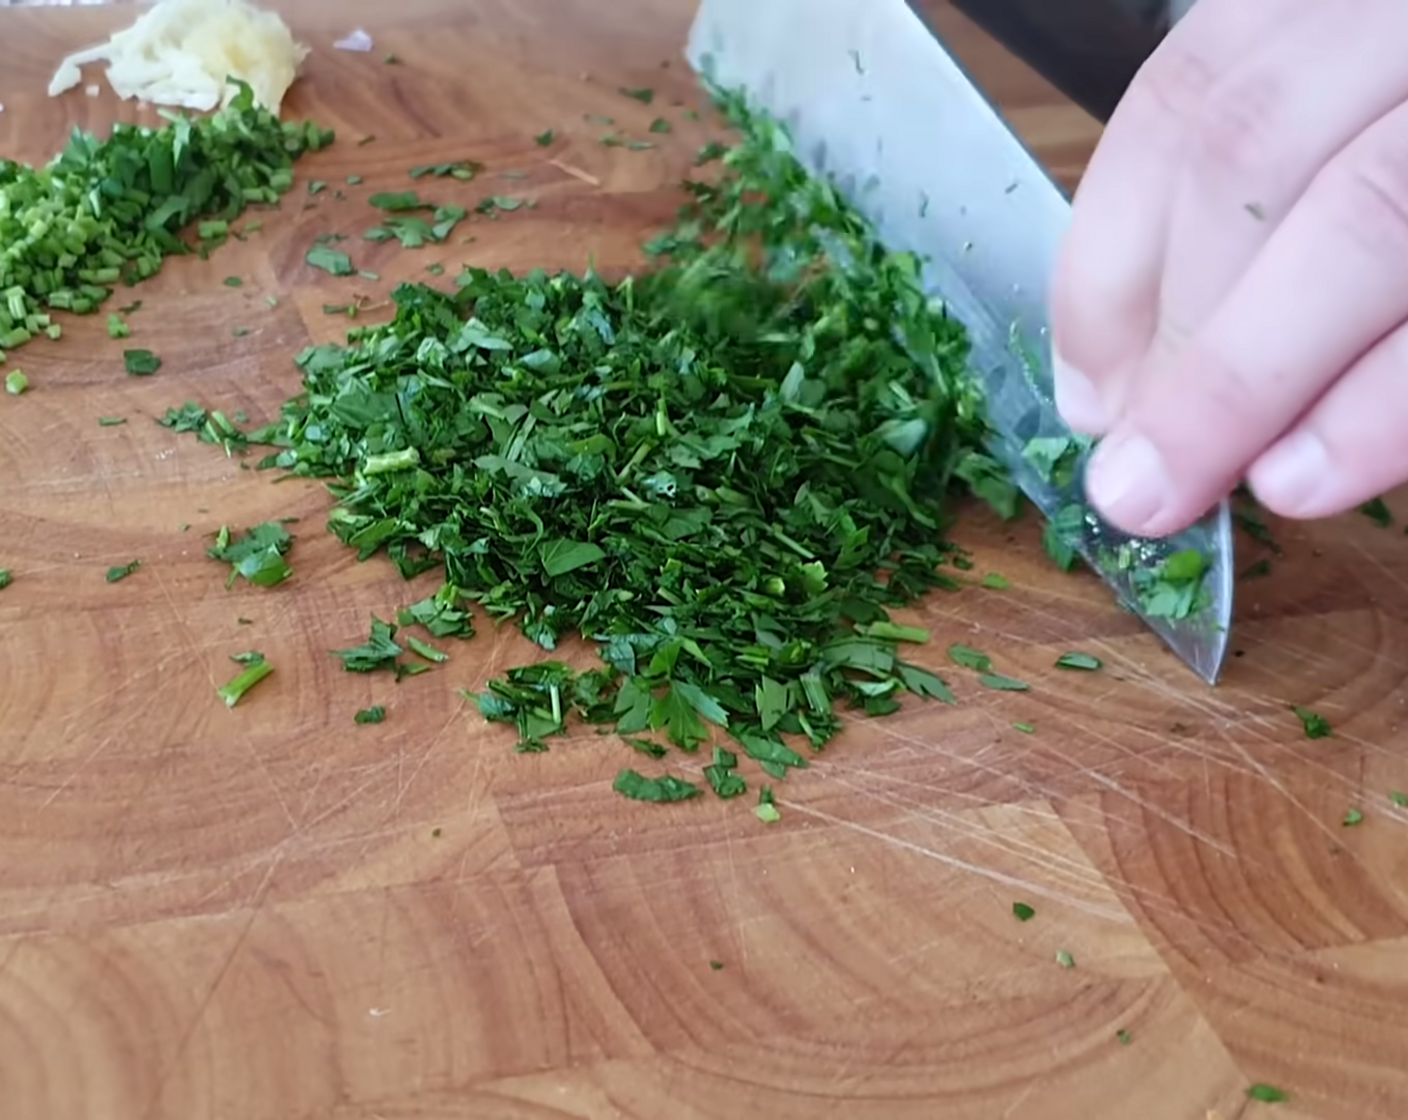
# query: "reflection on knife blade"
874,102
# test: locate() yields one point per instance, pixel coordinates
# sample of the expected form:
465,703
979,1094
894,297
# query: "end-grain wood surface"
268,913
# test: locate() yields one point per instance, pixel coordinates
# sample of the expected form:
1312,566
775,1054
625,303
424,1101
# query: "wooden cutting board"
269,913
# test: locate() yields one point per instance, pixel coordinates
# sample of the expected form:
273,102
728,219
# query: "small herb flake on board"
1064,959
970,658
668,788
1025,728
1083,662
111,421
7,577
1377,511
375,714
1123,1036
140,363
545,139
257,556
256,668
379,651
1352,817
1316,726
716,966
999,683
766,810
117,326
332,261
1398,798
16,382
996,582
645,95
120,572
1023,912
1267,1094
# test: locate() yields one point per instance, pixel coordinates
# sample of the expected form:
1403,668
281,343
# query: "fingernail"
1129,484
1292,474
1077,399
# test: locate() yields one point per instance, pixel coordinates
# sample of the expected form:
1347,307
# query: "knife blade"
874,101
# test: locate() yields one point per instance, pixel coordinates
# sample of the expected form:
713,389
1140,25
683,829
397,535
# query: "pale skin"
1232,301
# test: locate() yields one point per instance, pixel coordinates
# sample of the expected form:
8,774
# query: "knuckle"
1236,131
1366,200
1174,83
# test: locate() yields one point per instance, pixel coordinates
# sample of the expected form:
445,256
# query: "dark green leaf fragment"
722,778
664,789
427,651
7,577
1267,1094
111,421
1083,662
330,260
1352,817
969,657
122,571
1316,726
996,581
1377,511
1023,912
379,651
140,363
375,714
1124,1037
445,614
766,809
645,95
544,139
1399,798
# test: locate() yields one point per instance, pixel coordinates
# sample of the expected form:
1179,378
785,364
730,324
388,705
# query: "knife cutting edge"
873,100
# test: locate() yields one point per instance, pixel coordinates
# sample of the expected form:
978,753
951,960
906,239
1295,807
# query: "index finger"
1329,284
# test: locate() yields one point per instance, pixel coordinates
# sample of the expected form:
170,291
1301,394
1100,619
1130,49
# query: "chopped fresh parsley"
1316,726
545,139
1377,511
141,363
996,581
1352,817
1025,728
1083,662
1023,912
1000,683
636,786
7,577
970,658
376,714
122,571
645,95
1124,1037
1267,1094
1399,798
256,668
16,382
257,556
330,260
766,810
1064,959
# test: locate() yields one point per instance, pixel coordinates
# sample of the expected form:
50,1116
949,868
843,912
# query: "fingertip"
1295,477
1129,484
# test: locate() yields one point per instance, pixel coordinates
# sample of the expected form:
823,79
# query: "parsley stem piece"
256,669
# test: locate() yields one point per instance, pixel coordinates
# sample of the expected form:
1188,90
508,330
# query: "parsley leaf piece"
660,125
427,651
1352,817
996,581
722,778
1083,662
1025,728
1316,726
375,714
970,658
257,556
1023,912
1173,588
122,571
1064,959
1123,1036
256,669
117,326
140,363
379,651
16,382
1399,798
668,788
443,614
1267,1094
234,282
7,577
329,260
544,139
1377,511
999,683
893,632
766,809
111,421
644,95
560,557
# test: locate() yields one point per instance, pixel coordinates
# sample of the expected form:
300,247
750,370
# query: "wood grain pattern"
267,913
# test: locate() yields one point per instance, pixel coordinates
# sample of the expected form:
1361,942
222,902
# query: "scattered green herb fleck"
640,788
1023,912
333,261
1398,798
545,138
256,669
1064,959
1173,588
376,714
970,658
7,577
111,421
141,363
436,833
1352,818
1316,726
996,581
766,809
16,382
1081,661
1268,1094
716,965
122,571
999,683
660,125
1025,728
427,651
435,268
645,96
1124,1037
1377,511
354,180
257,556
117,326
464,170
392,60
233,282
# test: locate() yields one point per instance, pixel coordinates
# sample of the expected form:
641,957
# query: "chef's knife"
874,101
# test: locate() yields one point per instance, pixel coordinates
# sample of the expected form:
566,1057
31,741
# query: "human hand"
1232,300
